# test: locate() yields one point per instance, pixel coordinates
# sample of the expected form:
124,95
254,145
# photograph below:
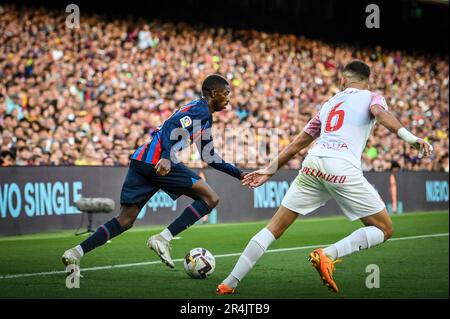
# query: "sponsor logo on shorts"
337,179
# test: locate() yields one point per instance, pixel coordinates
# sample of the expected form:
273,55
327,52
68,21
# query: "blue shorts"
142,182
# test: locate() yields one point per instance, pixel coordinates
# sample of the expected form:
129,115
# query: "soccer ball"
199,263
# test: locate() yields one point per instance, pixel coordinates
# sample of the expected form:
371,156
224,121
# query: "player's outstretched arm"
389,121
259,177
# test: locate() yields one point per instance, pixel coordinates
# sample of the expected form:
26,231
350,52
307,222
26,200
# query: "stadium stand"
90,96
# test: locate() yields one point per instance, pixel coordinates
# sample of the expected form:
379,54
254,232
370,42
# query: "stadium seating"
90,96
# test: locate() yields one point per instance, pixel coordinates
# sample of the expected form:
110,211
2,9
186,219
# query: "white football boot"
162,248
71,257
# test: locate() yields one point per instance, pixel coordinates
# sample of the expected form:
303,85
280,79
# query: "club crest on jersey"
185,121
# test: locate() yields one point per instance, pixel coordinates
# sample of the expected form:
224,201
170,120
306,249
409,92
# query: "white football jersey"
344,124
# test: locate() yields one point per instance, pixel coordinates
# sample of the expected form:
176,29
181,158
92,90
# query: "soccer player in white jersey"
332,169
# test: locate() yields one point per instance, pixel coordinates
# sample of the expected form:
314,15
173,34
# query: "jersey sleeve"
209,155
313,126
377,99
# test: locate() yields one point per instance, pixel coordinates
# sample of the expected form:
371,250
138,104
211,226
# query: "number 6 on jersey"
340,114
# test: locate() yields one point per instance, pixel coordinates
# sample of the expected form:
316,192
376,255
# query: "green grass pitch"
409,267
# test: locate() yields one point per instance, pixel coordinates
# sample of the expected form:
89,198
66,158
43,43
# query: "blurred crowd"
91,95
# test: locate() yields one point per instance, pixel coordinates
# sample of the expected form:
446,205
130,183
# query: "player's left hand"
243,176
424,147
257,178
163,167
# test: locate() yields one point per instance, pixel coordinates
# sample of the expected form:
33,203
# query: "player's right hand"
424,147
163,167
256,178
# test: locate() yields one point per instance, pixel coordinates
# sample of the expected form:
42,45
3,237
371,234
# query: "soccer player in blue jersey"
154,166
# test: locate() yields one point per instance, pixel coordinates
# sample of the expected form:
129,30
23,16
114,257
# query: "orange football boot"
223,289
325,267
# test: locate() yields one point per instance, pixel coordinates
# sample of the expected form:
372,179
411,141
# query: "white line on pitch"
216,256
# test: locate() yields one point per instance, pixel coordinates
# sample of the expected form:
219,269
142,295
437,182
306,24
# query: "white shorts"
323,178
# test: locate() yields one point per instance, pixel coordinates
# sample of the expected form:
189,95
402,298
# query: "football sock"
79,249
189,216
362,238
166,234
331,252
251,254
104,233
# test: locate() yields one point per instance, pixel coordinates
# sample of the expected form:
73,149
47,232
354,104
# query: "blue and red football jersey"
189,124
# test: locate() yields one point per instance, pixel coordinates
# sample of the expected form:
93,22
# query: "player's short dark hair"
357,68
214,82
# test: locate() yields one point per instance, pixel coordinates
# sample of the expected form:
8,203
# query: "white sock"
331,252
362,238
79,249
251,254
166,234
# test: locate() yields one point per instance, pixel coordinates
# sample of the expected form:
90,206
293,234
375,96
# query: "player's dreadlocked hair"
213,82
357,69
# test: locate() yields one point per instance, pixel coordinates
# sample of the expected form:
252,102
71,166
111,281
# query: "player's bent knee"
127,217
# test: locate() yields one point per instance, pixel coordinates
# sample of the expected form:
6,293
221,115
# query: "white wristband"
407,135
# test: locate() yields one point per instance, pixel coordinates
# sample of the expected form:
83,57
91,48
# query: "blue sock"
190,215
104,233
